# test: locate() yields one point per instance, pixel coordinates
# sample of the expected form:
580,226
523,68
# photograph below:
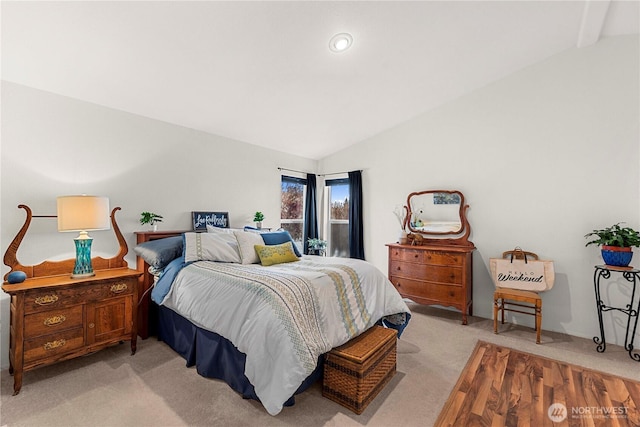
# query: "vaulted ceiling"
262,72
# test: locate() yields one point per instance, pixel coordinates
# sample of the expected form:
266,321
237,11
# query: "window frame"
295,180
329,222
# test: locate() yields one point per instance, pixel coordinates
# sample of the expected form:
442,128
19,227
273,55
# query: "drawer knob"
92,325
54,320
46,299
118,288
54,344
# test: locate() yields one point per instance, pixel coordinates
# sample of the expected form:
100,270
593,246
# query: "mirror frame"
460,237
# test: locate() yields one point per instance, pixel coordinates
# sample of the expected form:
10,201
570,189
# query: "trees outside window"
292,207
338,215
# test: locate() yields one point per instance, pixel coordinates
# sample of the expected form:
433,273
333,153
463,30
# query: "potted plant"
258,218
616,243
151,219
316,246
316,243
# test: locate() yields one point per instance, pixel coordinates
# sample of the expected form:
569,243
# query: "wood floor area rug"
501,386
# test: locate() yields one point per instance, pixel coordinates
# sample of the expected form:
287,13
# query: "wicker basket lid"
364,345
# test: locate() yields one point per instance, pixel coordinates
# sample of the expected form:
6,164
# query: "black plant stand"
632,276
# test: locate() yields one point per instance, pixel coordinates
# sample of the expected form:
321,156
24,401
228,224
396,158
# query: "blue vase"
617,258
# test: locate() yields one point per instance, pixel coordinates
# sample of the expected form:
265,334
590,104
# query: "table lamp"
83,213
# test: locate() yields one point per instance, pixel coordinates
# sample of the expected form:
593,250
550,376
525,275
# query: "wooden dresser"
433,274
55,318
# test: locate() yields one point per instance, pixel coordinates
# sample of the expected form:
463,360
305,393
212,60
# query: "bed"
249,309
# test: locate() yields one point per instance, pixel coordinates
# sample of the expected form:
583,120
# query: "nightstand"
55,318
148,310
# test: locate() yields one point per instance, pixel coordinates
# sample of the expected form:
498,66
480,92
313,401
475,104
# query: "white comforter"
284,317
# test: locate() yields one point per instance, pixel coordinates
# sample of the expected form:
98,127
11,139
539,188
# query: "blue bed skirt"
213,355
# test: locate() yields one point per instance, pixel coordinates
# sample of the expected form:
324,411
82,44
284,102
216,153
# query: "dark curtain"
310,230
356,233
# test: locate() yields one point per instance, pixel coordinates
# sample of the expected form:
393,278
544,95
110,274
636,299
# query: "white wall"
52,146
542,157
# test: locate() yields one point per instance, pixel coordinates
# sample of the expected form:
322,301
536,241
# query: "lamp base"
83,267
82,275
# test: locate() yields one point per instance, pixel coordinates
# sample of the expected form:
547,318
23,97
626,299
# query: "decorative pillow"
246,242
214,229
279,237
276,254
221,247
158,253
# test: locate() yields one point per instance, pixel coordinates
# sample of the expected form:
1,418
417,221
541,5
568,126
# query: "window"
292,208
337,191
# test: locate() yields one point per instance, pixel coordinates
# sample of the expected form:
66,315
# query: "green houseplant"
616,243
316,246
316,243
258,217
150,218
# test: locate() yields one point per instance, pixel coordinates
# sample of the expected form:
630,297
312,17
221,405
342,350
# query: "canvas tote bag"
527,274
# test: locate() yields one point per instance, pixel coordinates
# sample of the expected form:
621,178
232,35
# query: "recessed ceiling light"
340,42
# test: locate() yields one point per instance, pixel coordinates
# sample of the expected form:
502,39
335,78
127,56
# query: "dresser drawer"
407,255
53,344
432,273
38,300
443,258
421,256
52,321
441,293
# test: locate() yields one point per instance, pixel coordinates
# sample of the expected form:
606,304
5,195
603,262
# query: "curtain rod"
292,170
335,173
321,174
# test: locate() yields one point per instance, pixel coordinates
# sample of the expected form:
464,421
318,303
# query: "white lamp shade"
83,213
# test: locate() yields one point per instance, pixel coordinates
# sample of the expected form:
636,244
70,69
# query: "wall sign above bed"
200,220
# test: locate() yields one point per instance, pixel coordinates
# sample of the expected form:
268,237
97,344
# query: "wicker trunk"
355,372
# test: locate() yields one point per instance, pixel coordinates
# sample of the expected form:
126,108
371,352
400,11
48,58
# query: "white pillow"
214,229
246,245
222,247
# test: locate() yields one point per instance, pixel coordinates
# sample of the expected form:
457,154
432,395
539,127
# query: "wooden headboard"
53,268
146,309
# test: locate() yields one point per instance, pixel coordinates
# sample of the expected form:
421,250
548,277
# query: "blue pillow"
159,253
163,285
278,238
